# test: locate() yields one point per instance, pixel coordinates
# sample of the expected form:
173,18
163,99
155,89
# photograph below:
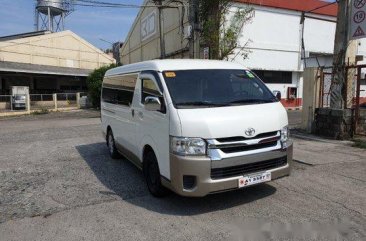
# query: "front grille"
242,138
225,172
240,148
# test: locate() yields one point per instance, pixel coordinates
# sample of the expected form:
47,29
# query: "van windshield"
215,88
19,97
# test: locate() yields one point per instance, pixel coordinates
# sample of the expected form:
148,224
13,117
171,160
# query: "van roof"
174,64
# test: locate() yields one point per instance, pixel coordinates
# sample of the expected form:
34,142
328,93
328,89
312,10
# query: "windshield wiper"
201,103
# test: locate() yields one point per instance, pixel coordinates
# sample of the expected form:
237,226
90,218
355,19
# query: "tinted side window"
109,95
149,89
119,89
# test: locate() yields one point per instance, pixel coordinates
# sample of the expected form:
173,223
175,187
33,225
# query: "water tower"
50,14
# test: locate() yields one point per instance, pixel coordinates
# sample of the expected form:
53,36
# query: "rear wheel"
113,152
152,176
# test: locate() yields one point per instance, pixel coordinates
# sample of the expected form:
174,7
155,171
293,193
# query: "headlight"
285,134
187,146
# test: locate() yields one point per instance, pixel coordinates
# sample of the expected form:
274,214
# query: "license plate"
254,179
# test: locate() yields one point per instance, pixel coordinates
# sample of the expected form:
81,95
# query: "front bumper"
200,168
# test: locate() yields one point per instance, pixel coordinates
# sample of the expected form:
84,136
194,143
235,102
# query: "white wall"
274,40
274,37
319,35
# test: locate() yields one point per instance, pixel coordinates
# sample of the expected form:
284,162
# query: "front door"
153,126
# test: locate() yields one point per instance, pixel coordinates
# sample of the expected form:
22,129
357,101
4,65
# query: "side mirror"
152,103
277,93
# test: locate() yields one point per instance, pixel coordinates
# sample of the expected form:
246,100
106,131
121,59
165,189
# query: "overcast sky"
92,24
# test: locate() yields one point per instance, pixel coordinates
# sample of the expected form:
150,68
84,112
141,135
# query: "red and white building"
275,36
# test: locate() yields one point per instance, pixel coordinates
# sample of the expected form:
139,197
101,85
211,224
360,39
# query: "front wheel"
113,152
152,176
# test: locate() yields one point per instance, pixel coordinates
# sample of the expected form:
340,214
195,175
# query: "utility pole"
340,48
194,42
159,4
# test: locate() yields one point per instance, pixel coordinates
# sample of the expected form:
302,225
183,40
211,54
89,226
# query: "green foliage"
222,26
94,84
359,142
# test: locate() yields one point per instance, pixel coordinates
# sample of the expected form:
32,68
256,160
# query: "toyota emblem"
250,132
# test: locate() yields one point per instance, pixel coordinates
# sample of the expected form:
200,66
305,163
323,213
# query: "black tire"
113,152
152,176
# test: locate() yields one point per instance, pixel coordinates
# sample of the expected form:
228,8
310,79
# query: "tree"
94,83
221,29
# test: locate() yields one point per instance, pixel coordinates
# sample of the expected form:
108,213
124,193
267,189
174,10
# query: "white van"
195,126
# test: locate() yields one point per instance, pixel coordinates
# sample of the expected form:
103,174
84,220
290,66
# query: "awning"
42,69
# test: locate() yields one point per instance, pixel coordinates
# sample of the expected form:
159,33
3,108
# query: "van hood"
220,122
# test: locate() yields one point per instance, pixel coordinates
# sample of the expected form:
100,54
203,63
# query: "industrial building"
274,40
50,59
48,62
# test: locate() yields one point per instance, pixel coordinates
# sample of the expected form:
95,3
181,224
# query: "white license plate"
254,179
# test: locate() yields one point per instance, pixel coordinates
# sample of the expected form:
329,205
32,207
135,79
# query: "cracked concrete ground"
58,183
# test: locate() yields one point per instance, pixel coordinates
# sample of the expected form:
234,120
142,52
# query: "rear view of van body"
195,127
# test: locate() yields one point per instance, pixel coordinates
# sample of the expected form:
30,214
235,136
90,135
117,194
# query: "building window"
274,77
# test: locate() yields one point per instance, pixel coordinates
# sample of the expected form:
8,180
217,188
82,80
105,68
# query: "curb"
319,139
20,113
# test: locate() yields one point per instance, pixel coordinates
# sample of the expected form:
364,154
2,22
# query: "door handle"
133,112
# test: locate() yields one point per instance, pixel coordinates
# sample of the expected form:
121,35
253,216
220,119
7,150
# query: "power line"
100,4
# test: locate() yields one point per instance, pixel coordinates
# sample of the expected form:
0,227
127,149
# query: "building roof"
23,35
175,64
42,69
297,5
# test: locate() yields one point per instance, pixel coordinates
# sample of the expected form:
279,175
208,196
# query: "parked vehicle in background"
19,101
19,96
195,126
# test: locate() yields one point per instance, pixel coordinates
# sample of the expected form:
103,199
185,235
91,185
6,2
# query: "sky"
92,24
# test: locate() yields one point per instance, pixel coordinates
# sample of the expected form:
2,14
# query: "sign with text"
358,19
148,26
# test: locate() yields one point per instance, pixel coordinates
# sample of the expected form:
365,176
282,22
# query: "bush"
94,84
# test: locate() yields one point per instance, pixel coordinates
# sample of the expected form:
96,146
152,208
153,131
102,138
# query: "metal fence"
5,103
66,100
41,101
44,101
353,94
325,86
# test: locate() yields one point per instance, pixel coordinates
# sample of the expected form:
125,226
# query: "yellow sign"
170,74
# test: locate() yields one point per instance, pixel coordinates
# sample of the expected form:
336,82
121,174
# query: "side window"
149,88
109,95
119,89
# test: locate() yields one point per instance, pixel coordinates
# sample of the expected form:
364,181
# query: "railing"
5,103
43,101
66,100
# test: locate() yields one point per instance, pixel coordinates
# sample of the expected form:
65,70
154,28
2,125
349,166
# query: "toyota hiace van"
195,127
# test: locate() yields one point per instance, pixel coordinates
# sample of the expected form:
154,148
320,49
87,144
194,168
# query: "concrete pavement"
58,183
